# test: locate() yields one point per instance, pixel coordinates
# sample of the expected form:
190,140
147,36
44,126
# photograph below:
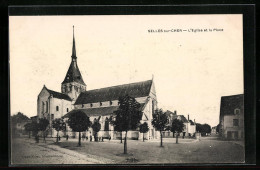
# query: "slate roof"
99,111
230,103
58,95
168,113
191,122
139,89
183,119
73,74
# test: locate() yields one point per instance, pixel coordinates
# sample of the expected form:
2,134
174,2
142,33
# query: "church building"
98,104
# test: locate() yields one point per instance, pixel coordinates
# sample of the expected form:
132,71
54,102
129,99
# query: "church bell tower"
73,83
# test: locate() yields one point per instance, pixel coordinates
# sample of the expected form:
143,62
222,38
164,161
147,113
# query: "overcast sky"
191,70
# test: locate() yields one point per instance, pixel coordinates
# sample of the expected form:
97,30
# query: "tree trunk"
121,137
161,138
125,144
143,137
57,140
79,144
172,134
177,134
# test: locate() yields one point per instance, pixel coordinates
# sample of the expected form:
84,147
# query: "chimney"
188,117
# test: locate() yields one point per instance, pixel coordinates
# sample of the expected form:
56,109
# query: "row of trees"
203,128
127,118
35,127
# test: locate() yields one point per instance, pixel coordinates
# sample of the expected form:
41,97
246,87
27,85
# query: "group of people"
95,138
83,137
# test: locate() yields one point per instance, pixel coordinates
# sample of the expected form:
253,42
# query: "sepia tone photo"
126,89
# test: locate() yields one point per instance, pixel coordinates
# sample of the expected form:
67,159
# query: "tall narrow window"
153,106
111,102
43,106
57,108
100,103
67,109
106,125
47,107
91,104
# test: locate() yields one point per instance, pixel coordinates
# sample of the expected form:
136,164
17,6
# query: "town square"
81,95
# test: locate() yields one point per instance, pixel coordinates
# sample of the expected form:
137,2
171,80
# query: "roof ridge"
233,95
117,86
57,93
54,91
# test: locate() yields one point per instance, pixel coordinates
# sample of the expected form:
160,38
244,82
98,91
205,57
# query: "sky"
191,70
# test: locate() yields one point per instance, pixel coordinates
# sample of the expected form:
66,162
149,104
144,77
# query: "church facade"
98,104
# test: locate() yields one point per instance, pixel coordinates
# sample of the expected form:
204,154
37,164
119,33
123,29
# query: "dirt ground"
207,150
26,151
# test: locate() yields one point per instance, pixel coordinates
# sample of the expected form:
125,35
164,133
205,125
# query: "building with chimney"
231,117
189,128
98,104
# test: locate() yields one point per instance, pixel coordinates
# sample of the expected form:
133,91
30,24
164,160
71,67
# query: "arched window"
57,108
82,105
111,102
106,125
100,103
91,104
47,107
67,109
237,111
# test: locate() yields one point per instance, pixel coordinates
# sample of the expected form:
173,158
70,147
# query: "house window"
237,111
82,105
235,122
52,116
100,103
111,102
57,108
91,104
67,109
118,103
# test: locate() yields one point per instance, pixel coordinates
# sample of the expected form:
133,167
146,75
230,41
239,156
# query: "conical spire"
73,47
73,74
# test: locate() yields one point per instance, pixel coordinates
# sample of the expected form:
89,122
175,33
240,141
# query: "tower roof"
73,74
73,47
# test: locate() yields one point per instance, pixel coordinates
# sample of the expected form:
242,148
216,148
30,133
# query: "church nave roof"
139,89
